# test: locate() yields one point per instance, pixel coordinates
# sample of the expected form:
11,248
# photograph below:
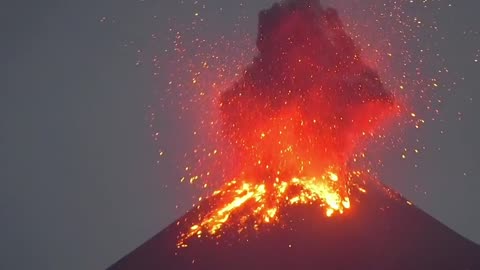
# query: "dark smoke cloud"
307,69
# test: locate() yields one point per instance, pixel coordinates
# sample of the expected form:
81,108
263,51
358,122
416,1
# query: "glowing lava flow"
294,120
266,201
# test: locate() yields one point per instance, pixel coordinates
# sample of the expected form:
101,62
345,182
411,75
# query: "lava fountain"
294,120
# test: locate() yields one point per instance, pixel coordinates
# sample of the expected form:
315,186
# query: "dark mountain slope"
379,232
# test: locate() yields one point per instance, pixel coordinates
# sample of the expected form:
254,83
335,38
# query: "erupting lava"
294,120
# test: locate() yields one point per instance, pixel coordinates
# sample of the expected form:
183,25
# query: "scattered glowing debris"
286,135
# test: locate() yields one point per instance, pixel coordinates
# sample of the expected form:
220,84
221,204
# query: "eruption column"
294,119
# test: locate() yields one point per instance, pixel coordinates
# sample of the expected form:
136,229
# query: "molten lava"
264,203
295,119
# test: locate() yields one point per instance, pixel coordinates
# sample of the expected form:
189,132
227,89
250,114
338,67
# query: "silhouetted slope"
377,233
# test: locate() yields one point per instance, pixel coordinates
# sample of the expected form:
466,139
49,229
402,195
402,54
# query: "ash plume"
308,83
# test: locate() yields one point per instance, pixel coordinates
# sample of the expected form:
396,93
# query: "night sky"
82,180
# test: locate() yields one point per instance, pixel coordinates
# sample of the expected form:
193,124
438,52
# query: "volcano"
293,196
383,231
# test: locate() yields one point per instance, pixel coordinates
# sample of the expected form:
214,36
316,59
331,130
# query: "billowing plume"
307,98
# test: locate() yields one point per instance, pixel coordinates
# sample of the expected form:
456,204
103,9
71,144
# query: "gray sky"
80,183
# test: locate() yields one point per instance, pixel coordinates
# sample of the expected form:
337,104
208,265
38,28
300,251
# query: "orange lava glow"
265,201
294,121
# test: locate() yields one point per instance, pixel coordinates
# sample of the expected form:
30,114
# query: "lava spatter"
294,119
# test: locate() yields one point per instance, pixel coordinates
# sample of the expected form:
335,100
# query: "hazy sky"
80,186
